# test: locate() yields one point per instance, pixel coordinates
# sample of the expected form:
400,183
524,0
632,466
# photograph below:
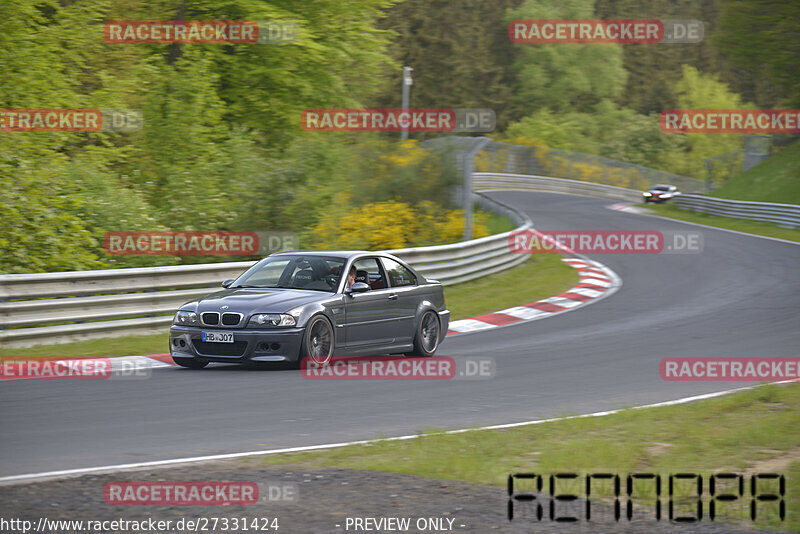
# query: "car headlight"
666,195
186,317
645,194
270,320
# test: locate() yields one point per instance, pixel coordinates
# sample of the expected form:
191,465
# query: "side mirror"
359,287
226,283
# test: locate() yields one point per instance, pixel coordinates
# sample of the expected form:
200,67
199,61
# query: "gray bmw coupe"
295,305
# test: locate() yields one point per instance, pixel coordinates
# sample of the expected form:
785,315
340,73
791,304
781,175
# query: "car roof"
342,253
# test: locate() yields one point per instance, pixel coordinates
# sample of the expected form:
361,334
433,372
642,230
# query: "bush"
390,225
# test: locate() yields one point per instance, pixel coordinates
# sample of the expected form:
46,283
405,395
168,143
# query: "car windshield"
316,273
660,188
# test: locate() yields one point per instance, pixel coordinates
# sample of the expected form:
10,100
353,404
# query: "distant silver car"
660,193
295,305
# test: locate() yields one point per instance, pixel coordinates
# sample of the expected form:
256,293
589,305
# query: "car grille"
228,318
210,318
236,348
231,319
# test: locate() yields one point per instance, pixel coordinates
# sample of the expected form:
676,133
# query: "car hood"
245,300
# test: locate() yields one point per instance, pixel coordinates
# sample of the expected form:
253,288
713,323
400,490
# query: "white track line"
16,479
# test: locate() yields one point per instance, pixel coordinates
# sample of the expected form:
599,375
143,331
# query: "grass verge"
498,224
111,346
740,225
755,431
773,180
544,276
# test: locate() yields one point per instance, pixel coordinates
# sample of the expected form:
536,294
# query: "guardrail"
68,306
490,180
786,215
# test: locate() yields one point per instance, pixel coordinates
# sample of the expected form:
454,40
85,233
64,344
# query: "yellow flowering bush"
408,153
392,224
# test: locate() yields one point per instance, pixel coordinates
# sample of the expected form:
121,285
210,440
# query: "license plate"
218,337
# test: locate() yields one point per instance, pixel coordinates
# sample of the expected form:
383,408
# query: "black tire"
191,363
426,338
318,341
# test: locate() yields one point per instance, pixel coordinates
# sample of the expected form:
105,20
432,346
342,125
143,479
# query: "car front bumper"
278,345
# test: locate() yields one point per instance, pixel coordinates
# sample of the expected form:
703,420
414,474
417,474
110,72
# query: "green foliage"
699,91
40,231
216,120
653,68
612,132
761,37
564,77
222,148
623,134
460,53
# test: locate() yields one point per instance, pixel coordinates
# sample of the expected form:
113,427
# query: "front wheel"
426,338
317,341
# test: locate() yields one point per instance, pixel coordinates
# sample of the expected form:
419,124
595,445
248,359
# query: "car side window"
369,271
398,275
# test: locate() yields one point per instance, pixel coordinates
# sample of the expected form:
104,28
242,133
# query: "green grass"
741,225
540,277
111,346
497,224
776,179
756,430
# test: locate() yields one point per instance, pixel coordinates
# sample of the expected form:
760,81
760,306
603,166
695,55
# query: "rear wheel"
426,338
191,363
317,341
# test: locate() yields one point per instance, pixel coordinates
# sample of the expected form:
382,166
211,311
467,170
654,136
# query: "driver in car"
351,277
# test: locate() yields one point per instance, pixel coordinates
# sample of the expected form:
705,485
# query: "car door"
370,316
403,285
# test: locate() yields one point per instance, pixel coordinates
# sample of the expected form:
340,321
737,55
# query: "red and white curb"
596,281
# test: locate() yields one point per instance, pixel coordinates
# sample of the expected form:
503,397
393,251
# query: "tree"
564,77
704,91
460,53
761,36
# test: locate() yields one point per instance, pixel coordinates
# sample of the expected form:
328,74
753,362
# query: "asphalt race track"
739,297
